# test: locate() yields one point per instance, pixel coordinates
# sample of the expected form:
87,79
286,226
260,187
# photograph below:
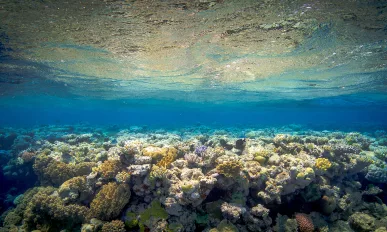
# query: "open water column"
193,115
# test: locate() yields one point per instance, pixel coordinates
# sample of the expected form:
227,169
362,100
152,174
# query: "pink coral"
305,224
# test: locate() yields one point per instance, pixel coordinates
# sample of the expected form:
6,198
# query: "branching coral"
110,200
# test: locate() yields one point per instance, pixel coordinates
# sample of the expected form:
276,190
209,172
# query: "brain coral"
305,224
110,200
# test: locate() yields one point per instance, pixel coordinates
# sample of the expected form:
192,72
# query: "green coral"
186,188
230,168
155,212
174,227
213,209
131,220
110,200
201,219
225,226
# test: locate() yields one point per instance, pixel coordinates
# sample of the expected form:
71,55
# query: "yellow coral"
158,153
230,168
323,164
109,202
108,169
168,158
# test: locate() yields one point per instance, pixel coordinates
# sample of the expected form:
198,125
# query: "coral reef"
193,180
